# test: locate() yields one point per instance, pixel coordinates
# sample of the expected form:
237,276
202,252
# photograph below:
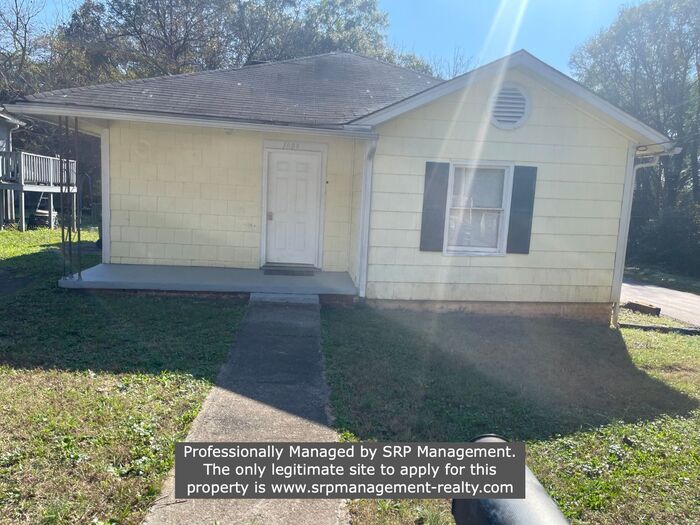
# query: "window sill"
472,254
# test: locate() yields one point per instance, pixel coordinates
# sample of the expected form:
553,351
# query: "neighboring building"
506,189
8,124
5,128
22,172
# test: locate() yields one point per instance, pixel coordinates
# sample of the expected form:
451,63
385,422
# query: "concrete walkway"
683,306
271,389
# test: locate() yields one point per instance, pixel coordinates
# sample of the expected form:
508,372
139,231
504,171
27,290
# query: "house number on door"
294,146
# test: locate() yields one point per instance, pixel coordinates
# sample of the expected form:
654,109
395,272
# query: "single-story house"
506,189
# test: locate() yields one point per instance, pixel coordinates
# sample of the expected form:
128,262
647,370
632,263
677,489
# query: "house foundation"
590,312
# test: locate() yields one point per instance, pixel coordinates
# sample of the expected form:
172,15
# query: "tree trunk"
694,175
670,178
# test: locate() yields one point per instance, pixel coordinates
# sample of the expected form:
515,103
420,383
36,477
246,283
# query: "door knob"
269,215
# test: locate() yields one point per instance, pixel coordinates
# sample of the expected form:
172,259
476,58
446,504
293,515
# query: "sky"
489,29
482,29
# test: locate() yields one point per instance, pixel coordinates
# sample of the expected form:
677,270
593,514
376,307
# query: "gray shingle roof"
322,90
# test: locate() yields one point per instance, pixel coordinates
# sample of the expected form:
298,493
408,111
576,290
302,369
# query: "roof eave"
54,110
11,119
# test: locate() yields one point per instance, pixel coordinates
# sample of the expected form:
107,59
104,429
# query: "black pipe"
536,509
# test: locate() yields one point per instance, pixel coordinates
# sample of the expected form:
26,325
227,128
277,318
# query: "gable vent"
510,108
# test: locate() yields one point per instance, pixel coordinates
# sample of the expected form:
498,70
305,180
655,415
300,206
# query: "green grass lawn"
95,388
610,418
658,277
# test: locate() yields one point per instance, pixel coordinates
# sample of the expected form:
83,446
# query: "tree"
262,30
135,38
19,32
106,40
345,25
267,30
84,50
458,64
648,63
165,37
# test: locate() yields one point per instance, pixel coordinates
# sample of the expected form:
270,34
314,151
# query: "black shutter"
432,229
522,202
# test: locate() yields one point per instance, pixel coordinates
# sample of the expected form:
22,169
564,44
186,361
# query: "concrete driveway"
683,306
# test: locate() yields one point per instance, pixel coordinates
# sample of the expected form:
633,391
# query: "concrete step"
292,298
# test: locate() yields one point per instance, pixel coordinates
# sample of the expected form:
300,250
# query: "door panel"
293,186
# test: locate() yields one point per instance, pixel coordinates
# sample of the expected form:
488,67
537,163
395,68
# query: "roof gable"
524,60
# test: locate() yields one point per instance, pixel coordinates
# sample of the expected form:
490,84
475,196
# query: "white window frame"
500,250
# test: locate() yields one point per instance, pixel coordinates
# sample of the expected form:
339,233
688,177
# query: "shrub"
670,242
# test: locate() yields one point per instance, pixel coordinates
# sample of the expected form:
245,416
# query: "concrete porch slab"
206,279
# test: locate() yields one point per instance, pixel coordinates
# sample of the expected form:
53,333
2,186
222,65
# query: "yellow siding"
192,196
581,163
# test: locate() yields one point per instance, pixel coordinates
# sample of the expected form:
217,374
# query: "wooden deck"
24,171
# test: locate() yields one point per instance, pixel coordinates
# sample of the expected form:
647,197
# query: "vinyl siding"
581,163
192,196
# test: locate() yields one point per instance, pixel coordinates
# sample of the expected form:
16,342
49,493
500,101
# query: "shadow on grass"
398,375
394,375
43,326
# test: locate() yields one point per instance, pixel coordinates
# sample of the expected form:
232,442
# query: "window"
477,208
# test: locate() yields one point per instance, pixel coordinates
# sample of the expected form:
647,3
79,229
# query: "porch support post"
2,209
52,223
74,207
22,218
365,211
104,190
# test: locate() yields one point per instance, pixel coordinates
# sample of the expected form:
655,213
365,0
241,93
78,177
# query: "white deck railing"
21,167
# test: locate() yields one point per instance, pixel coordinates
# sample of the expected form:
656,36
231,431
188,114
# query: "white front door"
293,206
